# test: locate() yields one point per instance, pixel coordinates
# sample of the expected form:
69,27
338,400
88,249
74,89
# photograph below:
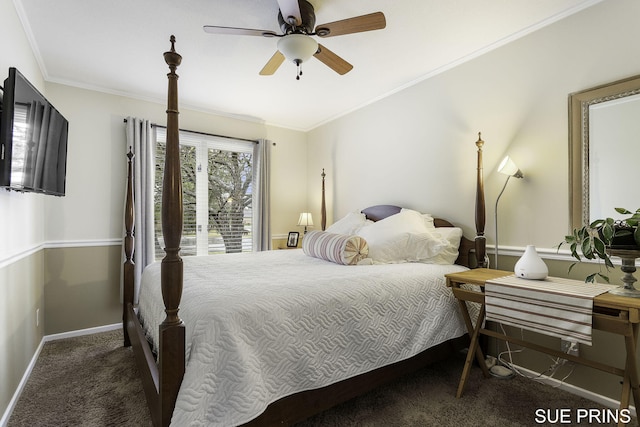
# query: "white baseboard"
12,403
27,373
82,332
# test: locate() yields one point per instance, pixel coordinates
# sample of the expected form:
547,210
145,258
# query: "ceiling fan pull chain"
298,70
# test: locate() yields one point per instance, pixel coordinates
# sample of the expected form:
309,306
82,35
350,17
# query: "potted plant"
594,240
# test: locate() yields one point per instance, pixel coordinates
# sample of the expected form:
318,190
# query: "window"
217,187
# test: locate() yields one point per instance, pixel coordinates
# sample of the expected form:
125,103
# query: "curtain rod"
207,134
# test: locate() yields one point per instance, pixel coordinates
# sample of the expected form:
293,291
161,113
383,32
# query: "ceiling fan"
297,20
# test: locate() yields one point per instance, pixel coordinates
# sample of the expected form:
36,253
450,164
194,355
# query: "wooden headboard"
465,250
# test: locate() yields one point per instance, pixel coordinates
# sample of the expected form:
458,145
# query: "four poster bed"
297,332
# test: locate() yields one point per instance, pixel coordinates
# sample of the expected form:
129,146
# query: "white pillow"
449,254
349,224
428,220
403,237
406,247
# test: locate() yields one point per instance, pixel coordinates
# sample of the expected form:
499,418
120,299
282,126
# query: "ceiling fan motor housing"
308,15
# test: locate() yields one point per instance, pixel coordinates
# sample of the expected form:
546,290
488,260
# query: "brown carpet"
93,381
90,380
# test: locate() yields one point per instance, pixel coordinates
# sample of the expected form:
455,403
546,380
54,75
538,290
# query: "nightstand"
611,313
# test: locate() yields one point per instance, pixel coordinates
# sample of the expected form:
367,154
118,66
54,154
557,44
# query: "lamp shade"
508,167
305,219
297,48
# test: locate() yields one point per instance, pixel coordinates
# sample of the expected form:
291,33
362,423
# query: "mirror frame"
579,103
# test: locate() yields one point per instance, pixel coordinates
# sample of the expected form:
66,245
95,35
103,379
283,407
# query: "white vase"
531,266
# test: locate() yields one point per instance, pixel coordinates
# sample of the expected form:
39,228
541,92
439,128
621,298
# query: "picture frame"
292,239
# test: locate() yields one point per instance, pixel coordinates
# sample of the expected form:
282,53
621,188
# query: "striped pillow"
338,248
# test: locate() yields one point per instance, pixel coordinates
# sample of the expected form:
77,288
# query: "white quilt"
264,325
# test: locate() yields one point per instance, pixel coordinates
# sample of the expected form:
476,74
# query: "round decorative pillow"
338,248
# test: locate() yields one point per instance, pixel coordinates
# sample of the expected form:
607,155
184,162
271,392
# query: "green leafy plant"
593,241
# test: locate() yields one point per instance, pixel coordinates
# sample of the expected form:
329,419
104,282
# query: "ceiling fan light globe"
297,48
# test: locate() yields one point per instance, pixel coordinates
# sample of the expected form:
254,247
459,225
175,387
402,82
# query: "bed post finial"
171,57
480,240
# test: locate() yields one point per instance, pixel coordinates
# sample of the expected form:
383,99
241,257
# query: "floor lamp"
510,169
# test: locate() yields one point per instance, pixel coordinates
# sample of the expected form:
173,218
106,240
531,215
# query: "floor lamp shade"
508,167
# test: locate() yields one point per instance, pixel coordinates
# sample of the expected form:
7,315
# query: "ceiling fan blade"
273,64
214,29
332,60
357,24
290,8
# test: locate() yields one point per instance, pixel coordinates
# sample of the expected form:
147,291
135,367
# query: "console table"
611,313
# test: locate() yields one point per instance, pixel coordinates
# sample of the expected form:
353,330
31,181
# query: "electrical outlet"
569,347
37,317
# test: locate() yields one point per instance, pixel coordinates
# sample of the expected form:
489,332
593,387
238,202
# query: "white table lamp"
305,221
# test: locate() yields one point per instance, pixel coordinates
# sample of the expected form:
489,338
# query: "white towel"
559,307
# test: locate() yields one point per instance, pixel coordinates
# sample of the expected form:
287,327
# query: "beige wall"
81,288
21,294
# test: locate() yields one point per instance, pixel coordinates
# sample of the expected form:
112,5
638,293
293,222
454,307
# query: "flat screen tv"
33,140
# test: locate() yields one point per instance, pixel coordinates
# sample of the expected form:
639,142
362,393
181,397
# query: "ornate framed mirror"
604,149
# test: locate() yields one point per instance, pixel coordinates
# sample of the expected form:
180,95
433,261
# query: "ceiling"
116,47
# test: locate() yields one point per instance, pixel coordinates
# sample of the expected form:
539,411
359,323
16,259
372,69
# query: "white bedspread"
261,326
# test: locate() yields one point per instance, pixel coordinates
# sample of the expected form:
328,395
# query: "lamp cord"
496,219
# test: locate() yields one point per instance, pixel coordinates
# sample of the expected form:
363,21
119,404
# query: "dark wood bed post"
323,206
128,279
480,240
171,358
161,381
